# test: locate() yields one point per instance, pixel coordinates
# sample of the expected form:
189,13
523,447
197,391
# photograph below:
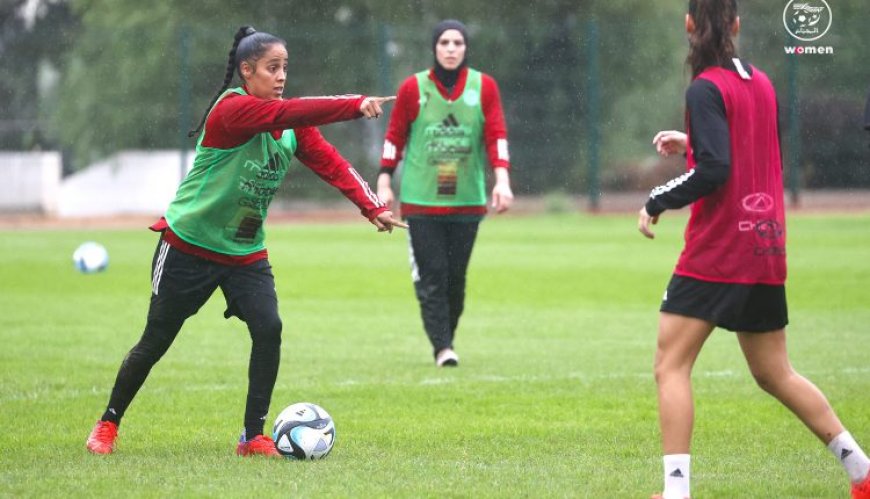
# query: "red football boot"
102,437
861,490
261,445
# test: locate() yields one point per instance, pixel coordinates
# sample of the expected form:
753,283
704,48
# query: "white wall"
128,183
31,181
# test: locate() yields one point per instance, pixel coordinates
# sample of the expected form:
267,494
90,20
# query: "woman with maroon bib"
731,273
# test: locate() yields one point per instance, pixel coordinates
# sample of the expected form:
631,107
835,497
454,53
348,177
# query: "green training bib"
222,203
444,161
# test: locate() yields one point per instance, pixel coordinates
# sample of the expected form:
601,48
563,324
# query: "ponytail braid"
711,43
231,67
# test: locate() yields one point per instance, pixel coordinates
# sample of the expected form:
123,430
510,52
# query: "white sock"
676,476
850,455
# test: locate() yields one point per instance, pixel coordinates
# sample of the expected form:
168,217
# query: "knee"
665,371
659,372
434,272
770,380
145,353
457,277
266,330
155,341
432,284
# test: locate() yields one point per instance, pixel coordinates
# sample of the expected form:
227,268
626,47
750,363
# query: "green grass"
554,398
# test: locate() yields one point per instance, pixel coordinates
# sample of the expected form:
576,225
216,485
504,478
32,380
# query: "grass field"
554,397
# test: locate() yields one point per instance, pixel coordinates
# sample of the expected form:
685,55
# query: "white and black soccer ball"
304,431
90,258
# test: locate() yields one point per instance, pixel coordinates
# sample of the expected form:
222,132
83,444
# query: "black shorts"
181,283
744,308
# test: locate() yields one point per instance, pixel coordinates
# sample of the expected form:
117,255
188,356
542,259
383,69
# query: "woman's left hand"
670,142
386,222
371,106
644,220
502,196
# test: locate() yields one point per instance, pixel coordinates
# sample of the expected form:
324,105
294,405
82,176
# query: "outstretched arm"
237,118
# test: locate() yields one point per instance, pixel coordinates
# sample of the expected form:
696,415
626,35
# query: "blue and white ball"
90,258
304,431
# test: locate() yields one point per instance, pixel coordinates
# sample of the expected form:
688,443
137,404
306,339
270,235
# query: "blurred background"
114,85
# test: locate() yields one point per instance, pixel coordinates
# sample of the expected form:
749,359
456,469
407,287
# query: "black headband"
443,26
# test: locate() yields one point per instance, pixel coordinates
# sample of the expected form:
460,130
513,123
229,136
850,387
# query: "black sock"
253,431
110,415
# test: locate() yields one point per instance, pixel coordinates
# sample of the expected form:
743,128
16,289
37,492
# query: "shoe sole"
100,452
244,453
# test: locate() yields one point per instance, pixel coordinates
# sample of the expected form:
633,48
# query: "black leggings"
440,252
181,284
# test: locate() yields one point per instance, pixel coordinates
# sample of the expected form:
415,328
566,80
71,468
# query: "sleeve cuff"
371,215
359,102
653,208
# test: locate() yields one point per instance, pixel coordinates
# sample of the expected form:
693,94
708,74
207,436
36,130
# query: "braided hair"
711,43
248,45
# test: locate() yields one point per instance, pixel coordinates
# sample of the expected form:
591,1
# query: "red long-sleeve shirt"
406,110
238,118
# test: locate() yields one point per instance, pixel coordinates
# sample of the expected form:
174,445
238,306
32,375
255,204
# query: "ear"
690,24
735,29
247,70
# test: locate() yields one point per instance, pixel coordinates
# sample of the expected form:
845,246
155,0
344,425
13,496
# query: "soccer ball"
90,258
304,431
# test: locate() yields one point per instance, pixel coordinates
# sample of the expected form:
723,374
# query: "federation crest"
471,97
807,20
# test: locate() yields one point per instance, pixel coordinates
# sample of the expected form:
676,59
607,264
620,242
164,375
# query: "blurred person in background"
867,114
212,234
446,123
732,270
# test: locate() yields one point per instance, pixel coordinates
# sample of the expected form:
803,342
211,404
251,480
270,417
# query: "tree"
123,82
32,37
